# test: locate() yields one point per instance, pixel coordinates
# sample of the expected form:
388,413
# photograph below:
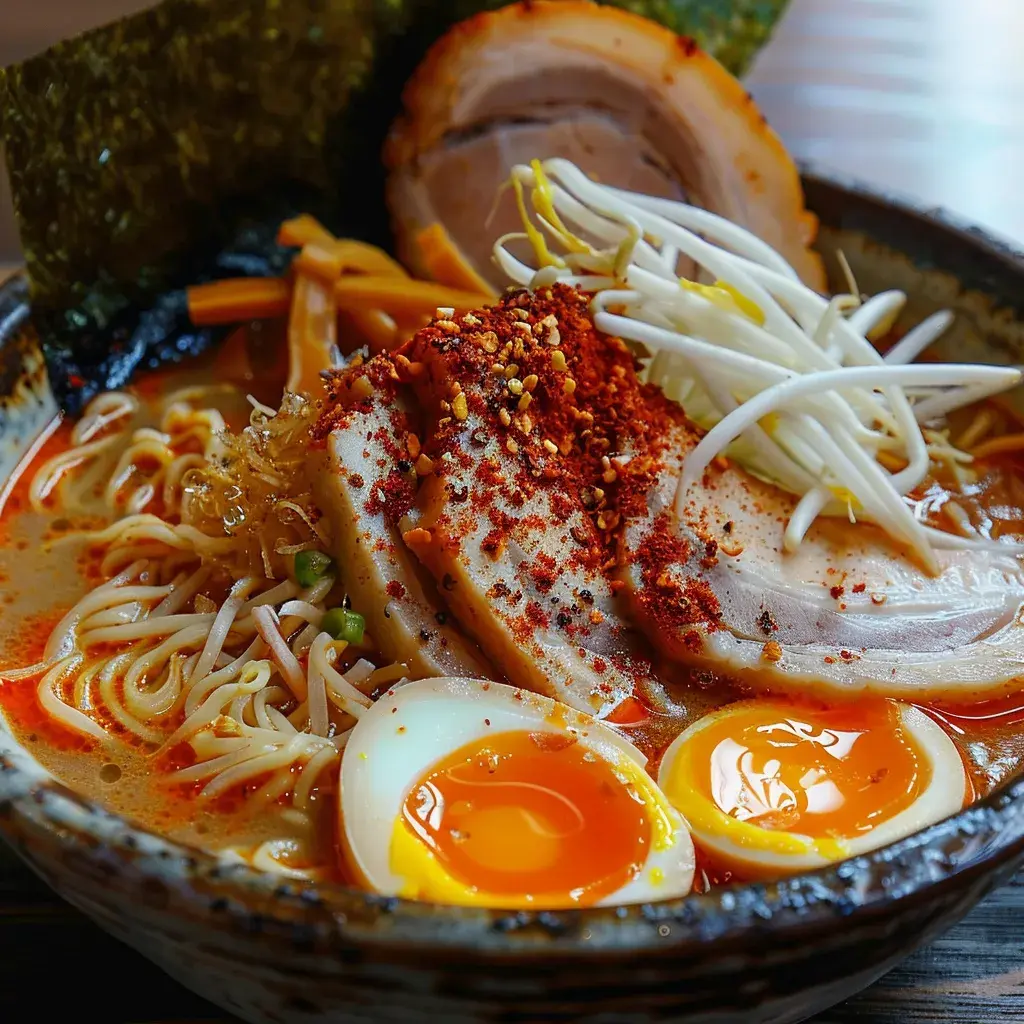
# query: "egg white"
411,728
749,844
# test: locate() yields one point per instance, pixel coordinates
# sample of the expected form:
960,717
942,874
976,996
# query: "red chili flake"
536,615
837,592
395,589
710,559
562,506
860,588
556,453
669,598
688,45
587,411
489,473
544,573
391,497
494,543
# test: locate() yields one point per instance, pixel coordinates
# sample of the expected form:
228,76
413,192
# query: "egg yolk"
531,817
823,774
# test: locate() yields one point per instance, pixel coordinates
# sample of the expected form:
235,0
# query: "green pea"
311,566
344,625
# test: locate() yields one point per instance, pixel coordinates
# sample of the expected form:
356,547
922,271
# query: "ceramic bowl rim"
735,913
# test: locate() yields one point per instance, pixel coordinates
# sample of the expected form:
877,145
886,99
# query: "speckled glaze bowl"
277,951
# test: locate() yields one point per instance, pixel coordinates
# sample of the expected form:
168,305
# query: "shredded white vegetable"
785,381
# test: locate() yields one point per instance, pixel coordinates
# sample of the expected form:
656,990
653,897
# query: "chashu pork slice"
849,610
526,403
365,488
620,96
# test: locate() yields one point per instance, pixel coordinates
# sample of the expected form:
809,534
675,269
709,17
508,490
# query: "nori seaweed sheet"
164,149
140,152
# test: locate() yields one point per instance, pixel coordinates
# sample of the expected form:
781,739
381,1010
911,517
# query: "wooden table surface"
925,97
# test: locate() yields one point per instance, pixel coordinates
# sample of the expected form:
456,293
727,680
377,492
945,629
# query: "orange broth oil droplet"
986,714
630,712
711,871
523,813
19,700
822,773
54,439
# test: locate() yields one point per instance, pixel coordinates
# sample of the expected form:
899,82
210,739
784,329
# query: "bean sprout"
785,381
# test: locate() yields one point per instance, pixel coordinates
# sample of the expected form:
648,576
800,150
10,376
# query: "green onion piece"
311,566
344,625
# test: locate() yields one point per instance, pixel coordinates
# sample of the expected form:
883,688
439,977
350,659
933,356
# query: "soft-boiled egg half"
770,786
471,792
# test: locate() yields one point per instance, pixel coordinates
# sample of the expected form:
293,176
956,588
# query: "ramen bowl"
269,949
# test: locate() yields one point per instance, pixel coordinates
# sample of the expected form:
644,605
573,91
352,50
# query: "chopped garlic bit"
785,381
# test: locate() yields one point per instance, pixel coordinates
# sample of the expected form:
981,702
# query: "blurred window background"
925,97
